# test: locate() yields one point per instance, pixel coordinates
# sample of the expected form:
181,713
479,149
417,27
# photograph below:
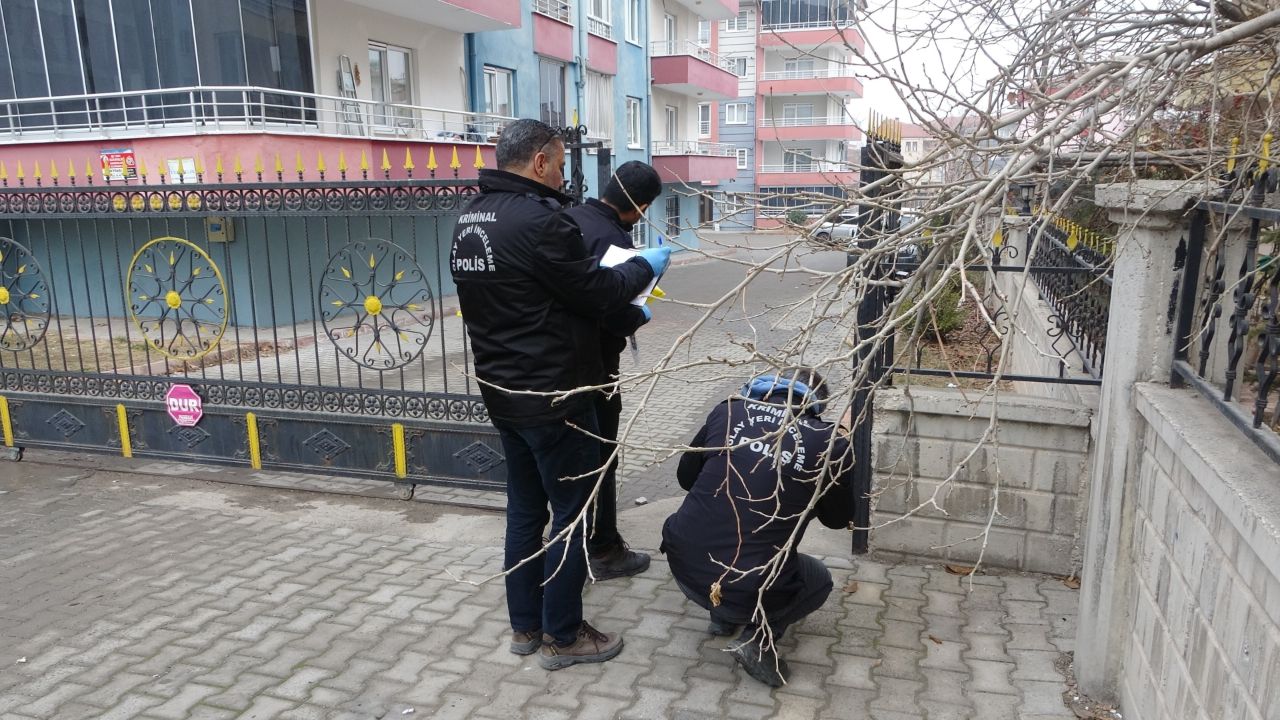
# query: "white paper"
616,256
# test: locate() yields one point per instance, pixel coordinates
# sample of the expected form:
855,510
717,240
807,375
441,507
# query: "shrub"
941,318
797,217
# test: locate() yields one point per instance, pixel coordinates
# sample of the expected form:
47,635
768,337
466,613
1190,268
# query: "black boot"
618,561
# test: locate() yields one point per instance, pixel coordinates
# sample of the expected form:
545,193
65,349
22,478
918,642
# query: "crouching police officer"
532,298
754,470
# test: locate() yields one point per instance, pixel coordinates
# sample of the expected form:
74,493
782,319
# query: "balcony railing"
834,71
667,48
693,147
824,24
766,122
599,27
561,10
230,109
809,167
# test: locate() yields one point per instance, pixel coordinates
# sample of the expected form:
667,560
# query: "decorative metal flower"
24,298
177,298
376,304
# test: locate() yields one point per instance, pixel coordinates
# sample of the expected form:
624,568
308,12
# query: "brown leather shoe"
526,643
590,646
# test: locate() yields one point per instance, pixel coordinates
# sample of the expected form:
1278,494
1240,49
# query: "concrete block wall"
1028,479
1205,608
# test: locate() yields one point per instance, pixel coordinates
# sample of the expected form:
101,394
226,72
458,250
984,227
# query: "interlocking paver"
214,614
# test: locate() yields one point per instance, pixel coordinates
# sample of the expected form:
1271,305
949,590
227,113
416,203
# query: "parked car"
841,231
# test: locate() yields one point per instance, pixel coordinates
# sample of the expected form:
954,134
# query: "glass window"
742,159
599,119
175,55
735,114
498,93
6,74
799,68
27,58
136,51
704,32
390,84
798,160
551,93
673,215
739,66
62,60
704,119
278,51
634,18
672,123
220,49
635,122
741,23
602,10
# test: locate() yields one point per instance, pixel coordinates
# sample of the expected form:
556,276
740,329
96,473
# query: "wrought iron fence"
312,319
1227,334
1071,268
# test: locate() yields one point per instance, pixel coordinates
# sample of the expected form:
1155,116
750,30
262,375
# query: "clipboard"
616,256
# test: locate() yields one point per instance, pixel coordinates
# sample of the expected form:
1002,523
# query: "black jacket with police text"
601,227
532,297
745,502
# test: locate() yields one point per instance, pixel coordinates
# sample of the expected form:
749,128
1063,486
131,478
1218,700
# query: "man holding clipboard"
606,227
532,298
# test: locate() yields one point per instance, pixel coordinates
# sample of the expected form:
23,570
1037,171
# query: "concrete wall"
1205,606
1034,470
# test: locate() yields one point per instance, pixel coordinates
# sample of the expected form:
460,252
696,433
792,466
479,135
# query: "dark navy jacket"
532,297
777,461
601,227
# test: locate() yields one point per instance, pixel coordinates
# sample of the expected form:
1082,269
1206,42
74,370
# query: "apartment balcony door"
669,33
799,68
551,93
796,114
798,160
391,83
672,124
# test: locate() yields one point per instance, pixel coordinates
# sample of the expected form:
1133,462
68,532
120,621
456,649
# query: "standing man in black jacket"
607,222
755,468
532,298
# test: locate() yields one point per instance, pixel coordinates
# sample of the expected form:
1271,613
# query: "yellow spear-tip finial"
21,174
88,169
408,160
320,161
4,172
575,117
142,167
236,167
1231,156
217,164
279,165
37,174
71,169
386,162
1073,237
53,170
199,165
431,160
364,162
479,164
454,164
1263,164
297,162
257,164
342,162
998,239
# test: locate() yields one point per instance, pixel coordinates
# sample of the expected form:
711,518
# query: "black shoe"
618,561
764,666
526,643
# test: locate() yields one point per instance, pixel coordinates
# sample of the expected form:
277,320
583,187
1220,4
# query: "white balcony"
693,147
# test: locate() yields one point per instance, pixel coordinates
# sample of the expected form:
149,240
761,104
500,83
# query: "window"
706,210
634,18
499,98
735,114
798,160
673,215
391,84
739,66
743,160
551,93
640,235
635,122
741,23
181,171
599,119
600,18
794,114
672,123
704,32
704,119
669,34
799,68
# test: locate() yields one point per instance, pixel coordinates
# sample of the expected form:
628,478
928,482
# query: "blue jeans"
538,458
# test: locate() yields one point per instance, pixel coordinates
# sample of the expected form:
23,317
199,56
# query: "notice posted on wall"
118,164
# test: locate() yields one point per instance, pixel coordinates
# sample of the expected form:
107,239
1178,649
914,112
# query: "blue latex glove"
648,314
658,258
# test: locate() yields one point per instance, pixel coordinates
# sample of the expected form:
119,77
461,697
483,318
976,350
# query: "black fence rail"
1227,333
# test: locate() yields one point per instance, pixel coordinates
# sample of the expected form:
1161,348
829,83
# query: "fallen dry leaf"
1072,582
852,587
935,640
958,569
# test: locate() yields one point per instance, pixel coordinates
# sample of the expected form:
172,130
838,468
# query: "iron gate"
312,318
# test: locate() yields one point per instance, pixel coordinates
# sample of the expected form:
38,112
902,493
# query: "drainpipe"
469,50
580,69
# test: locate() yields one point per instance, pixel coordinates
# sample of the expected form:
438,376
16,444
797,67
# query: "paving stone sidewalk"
115,607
